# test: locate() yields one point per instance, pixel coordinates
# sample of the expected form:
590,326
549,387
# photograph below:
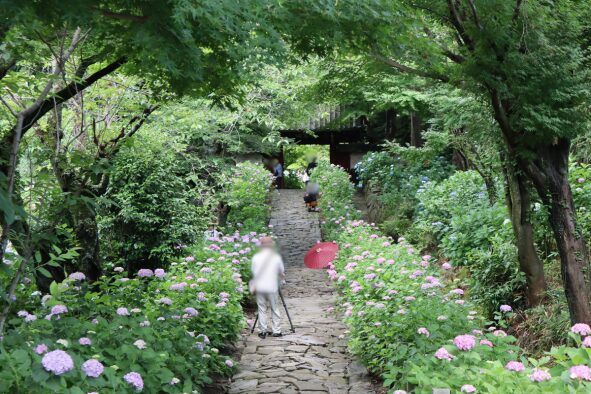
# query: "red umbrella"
321,255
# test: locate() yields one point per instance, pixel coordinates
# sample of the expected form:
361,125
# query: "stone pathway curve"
314,359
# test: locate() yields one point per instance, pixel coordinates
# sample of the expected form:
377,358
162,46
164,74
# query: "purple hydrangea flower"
85,341
159,273
165,301
92,368
191,311
77,276
505,308
57,362
135,380
122,311
30,318
145,273
59,309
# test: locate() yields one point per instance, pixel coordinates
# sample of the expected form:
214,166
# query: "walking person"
278,173
267,271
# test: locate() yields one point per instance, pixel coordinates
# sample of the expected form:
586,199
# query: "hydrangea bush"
155,331
412,321
247,196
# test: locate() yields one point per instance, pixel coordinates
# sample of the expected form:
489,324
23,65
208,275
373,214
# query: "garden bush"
397,181
412,321
248,196
155,331
149,207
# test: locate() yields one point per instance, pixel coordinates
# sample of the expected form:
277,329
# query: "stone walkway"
314,359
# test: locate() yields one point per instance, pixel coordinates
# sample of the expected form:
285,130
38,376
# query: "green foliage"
247,195
393,181
151,206
174,325
580,180
406,313
336,192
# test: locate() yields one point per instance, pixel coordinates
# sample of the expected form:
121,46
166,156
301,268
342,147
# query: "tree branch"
474,13
457,22
409,70
517,9
117,15
137,122
5,69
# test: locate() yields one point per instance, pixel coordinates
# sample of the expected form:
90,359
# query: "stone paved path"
314,359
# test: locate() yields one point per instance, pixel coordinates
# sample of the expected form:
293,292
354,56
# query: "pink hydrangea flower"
581,329
423,331
515,366
465,342
581,372
41,348
446,266
229,363
499,333
468,388
140,344
587,342
486,342
539,375
443,354
505,308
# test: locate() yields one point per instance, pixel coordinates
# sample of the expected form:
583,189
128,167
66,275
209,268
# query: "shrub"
162,331
336,193
411,322
148,210
247,195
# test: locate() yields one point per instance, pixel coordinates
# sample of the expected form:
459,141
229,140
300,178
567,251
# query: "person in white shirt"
267,271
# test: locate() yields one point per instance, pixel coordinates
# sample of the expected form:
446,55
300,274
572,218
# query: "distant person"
311,195
278,173
211,233
311,165
267,270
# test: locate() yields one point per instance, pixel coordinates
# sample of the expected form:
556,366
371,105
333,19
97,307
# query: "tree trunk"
416,138
549,174
86,229
518,201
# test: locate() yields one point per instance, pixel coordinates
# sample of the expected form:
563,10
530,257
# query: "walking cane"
286,312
